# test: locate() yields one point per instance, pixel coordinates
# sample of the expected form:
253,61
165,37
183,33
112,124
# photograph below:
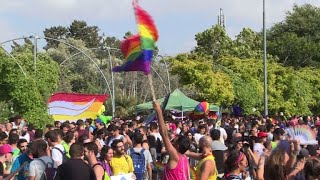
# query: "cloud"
6,30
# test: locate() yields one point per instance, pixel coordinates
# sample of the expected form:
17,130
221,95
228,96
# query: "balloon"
101,110
202,108
105,119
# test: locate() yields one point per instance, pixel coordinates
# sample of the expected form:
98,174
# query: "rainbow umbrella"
202,108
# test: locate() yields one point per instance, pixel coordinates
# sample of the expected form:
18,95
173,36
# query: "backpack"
49,171
159,145
65,158
139,163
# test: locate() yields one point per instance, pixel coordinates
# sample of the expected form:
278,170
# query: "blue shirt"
23,175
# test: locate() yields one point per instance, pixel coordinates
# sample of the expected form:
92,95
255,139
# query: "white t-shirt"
157,136
222,134
26,137
14,126
259,148
197,137
57,156
37,167
112,139
178,131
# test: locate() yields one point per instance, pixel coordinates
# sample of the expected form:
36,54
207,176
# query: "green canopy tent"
177,101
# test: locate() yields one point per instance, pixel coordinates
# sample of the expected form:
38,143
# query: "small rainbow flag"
72,106
138,49
193,174
159,166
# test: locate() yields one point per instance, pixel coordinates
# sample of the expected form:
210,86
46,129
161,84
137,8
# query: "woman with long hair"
106,155
235,166
312,168
280,163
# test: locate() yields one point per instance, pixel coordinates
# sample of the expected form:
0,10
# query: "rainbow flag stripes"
138,49
72,106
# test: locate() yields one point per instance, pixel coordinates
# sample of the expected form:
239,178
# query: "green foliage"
295,41
213,42
28,94
196,72
248,44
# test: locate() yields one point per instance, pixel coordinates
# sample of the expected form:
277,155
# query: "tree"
295,41
57,32
28,95
213,42
196,72
248,44
77,73
80,30
88,34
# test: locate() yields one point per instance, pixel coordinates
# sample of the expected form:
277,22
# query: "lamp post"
35,52
265,61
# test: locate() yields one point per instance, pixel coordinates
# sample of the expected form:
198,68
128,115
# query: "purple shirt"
106,167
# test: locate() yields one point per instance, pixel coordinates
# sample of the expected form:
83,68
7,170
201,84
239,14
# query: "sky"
178,21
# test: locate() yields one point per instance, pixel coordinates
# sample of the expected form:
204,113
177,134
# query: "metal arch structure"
164,84
61,41
112,78
168,75
82,52
110,61
20,67
24,73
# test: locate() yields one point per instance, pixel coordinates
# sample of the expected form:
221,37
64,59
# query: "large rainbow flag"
138,49
72,106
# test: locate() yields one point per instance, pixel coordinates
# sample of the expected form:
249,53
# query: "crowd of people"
245,147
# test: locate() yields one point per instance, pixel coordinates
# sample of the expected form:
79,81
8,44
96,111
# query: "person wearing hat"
258,147
5,156
98,123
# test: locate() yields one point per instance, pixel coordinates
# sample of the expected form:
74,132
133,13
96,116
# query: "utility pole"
222,19
35,52
265,61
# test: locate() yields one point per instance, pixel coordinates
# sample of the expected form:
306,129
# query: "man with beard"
24,157
120,163
75,168
90,154
206,168
54,139
41,160
24,133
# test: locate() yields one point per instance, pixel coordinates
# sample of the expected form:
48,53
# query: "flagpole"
151,87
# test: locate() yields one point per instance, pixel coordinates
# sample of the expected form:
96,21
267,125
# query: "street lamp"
265,61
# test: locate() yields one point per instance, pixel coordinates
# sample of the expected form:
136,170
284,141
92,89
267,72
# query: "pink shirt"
180,172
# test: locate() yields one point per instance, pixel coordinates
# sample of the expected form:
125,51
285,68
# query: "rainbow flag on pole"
138,49
72,106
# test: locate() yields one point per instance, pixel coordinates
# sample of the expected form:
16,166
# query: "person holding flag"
178,165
